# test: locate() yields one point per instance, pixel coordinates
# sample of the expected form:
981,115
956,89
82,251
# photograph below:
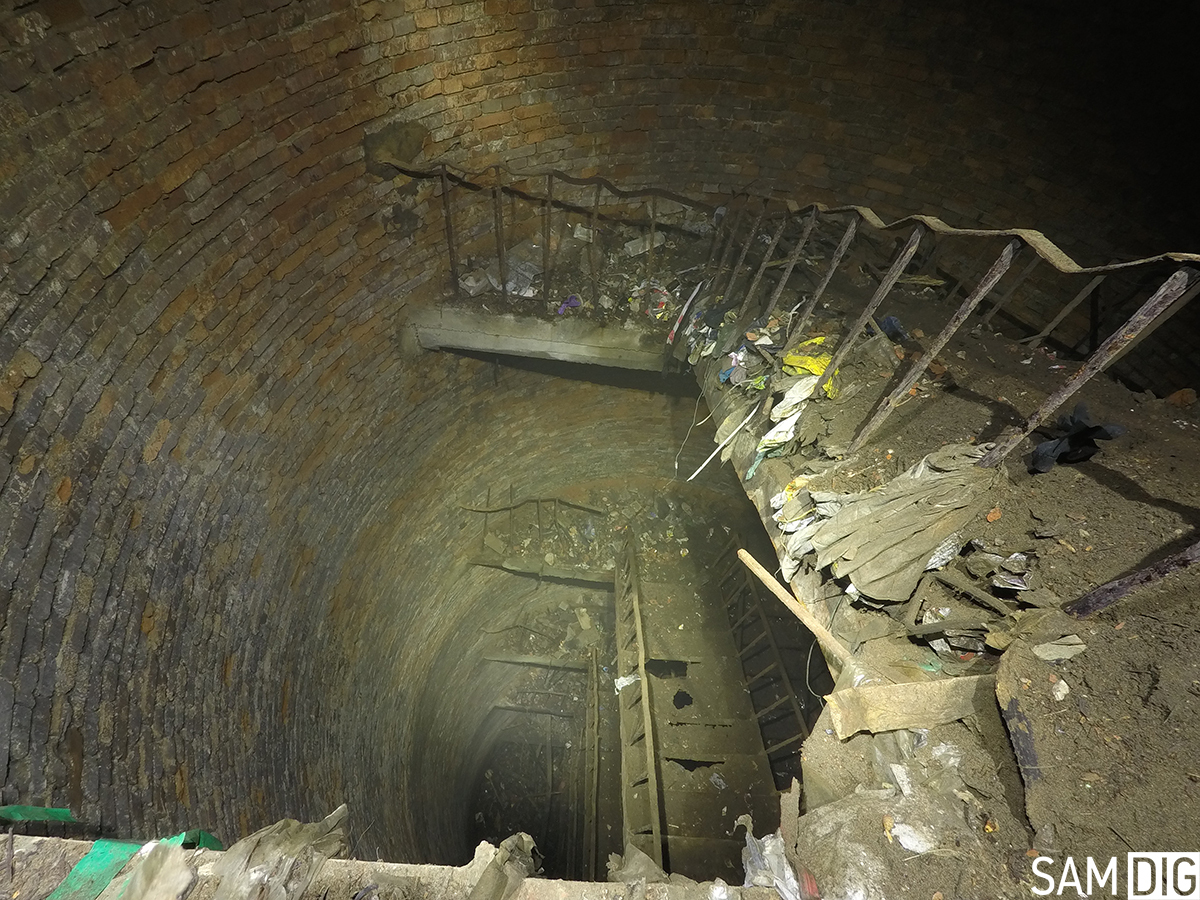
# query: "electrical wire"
689,434
808,671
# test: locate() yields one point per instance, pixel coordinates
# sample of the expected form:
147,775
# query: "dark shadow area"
672,384
1130,490
1004,415
667,668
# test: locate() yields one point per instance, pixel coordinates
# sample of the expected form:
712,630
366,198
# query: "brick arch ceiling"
221,538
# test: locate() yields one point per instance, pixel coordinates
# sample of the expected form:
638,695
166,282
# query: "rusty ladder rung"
799,736
761,672
749,646
750,612
774,706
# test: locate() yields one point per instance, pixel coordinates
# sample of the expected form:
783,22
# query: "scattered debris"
640,245
619,684
884,540
516,859
286,856
1072,439
1064,648
766,865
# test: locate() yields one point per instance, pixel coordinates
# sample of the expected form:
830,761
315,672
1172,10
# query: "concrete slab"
567,338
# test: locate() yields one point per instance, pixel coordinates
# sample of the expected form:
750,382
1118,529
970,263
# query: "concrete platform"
568,338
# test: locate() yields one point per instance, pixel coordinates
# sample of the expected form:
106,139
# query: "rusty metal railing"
501,181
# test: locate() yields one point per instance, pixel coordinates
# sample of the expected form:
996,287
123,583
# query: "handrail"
1036,240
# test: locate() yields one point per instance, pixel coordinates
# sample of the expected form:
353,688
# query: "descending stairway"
690,766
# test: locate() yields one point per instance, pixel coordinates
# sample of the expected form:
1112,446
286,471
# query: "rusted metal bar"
727,251
850,338
709,275
1012,288
842,247
792,259
547,214
498,221
929,264
745,249
592,799
715,243
762,266
1107,594
592,224
1093,336
994,274
713,290
450,243
1167,294
1192,291
1037,339
650,247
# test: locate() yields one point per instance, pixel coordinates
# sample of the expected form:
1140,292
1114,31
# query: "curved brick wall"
226,557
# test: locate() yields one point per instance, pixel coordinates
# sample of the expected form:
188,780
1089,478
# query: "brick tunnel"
234,564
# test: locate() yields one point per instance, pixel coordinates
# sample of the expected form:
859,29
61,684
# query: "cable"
808,670
689,433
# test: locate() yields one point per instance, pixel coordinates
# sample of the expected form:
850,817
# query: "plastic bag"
765,863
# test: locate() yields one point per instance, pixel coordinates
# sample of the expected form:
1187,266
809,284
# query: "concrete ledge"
569,339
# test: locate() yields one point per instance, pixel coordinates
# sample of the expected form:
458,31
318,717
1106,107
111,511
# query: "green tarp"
35,814
93,873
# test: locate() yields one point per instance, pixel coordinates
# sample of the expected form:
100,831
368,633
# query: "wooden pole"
832,645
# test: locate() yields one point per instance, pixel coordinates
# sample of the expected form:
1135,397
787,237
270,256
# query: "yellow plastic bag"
797,362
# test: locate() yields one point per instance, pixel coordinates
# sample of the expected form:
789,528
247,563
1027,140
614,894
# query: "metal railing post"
842,247
547,212
498,223
999,267
450,244
1166,295
889,280
792,258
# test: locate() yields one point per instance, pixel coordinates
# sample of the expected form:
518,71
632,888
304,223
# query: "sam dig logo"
1148,876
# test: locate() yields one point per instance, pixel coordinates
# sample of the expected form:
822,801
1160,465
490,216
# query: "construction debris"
890,707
